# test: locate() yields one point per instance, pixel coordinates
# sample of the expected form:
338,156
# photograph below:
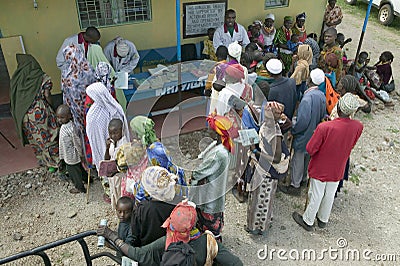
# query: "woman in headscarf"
271,162
282,36
159,185
179,226
74,80
301,72
103,110
210,179
299,27
143,129
103,75
157,155
34,118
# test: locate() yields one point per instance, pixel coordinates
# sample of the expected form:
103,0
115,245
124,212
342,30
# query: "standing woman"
34,118
299,27
271,162
74,80
282,36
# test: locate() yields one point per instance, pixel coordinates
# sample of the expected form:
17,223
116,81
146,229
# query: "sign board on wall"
199,16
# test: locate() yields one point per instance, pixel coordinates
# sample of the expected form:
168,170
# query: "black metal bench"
41,251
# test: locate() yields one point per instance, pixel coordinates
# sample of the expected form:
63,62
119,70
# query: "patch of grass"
360,8
355,179
393,130
368,116
296,205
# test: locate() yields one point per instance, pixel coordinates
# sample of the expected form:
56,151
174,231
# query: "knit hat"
159,183
348,104
301,16
235,50
122,48
274,66
317,76
235,71
182,219
270,16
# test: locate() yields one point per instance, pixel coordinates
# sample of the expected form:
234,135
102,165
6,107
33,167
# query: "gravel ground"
36,207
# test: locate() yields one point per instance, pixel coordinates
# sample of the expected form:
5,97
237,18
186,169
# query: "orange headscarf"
224,127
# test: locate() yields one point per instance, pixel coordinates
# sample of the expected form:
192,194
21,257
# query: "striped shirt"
70,146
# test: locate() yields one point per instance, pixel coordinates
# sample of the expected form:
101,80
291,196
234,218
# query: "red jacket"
330,147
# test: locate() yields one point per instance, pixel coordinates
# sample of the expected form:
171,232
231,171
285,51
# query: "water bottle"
101,239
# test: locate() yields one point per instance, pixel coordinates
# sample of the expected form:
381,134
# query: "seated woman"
180,226
34,118
150,214
156,155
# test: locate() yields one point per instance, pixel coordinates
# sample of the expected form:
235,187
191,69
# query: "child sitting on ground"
384,67
361,65
70,150
124,210
209,51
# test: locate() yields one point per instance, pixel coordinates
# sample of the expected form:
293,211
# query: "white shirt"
70,147
225,38
60,60
226,93
112,151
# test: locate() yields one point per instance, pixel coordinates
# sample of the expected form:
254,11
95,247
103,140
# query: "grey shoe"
321,224
299,220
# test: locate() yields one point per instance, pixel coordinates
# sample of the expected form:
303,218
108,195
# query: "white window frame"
105,13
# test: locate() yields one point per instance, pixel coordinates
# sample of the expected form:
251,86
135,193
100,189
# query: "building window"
276,3
112,12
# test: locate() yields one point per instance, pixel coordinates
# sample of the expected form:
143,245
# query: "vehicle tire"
351,2
386,15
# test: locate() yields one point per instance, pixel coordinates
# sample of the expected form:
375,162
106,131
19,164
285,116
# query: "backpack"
178,254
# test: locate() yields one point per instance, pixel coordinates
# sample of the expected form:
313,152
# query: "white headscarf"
235,50
104,109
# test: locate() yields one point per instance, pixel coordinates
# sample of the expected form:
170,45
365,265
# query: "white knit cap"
348,104
122,48
235,50
317,76
271,16
274,66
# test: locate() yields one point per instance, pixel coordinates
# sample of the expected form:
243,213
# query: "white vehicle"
387,9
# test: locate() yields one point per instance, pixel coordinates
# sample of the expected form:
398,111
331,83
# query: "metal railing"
40,251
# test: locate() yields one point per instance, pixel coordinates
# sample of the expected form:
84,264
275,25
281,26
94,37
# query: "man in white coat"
230,32
81,40
122,55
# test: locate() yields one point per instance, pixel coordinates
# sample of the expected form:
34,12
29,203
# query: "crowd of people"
299,94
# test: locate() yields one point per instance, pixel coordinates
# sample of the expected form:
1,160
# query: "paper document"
248,137
122,80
